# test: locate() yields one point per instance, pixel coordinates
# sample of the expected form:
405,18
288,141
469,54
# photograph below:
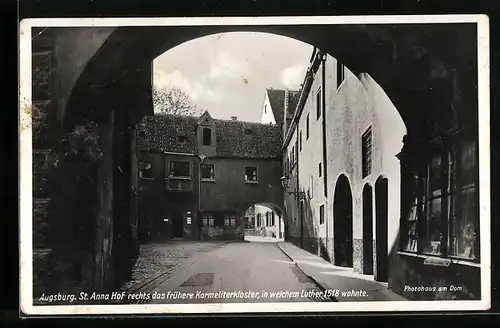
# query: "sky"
228,73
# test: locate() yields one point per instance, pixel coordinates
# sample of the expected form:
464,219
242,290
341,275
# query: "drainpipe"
323,107
298,189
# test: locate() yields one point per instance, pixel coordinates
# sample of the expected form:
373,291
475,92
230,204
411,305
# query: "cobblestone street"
157,259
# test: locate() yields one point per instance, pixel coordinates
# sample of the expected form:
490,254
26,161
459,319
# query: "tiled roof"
277,101
239,139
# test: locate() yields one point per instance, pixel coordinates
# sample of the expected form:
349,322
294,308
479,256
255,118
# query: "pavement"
244,272
342,283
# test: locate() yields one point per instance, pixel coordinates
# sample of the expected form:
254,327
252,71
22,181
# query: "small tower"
206,135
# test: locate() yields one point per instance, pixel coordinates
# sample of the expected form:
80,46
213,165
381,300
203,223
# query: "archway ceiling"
409,61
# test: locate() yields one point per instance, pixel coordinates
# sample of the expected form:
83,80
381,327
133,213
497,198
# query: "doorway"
342,223
367,230
381,212
177,226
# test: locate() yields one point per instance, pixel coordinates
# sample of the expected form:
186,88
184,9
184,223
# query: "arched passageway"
264,221
367,230
342,223
428,71
381,218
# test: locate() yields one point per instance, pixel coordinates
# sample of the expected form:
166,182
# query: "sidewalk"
351,286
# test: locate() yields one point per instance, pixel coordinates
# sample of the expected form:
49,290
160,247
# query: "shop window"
180,169
207,172
145,170
251,174
443,217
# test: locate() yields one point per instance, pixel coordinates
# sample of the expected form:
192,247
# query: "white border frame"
26,200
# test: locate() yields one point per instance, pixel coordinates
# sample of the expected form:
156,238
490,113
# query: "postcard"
254,164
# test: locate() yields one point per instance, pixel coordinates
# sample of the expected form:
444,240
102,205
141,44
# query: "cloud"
226,66
292,76
198,90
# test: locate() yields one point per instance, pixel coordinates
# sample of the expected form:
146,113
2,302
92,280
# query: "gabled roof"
238,139
277,101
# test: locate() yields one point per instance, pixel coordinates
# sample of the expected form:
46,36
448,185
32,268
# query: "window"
233,221
366,152
319,169
250,174
182,139
318,104
145,170
180,169
322,214
188,220
267,219
226,220
207,172
208,220
272,219
307,127
259,219
248,131
340,74
443,217
300,140
207,136
265,109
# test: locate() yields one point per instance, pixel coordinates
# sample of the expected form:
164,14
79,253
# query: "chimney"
234,118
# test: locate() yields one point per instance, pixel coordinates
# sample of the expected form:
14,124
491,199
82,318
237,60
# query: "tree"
173,101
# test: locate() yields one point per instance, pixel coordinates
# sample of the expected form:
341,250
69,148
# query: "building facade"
199,175
347,201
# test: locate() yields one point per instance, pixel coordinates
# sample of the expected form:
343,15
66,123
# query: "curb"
320,286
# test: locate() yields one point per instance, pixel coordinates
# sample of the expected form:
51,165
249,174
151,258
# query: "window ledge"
147,178
453,260
178,178
208,180
252,182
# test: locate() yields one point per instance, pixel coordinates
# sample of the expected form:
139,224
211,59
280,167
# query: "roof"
277,101
238,139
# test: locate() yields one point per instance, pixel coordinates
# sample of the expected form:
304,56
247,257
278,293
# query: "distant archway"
367,230
264,220
381,213
342,223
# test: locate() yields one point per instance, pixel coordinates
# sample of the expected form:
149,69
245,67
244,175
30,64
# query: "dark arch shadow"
381,226
367,229
386,52
342,223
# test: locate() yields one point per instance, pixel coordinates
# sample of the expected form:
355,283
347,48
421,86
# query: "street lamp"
285,183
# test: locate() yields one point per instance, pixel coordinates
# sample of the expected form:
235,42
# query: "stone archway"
268,222
428,71
343,223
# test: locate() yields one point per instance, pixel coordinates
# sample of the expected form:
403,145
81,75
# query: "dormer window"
207,136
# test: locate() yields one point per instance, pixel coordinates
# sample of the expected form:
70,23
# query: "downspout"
298,189
323,107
